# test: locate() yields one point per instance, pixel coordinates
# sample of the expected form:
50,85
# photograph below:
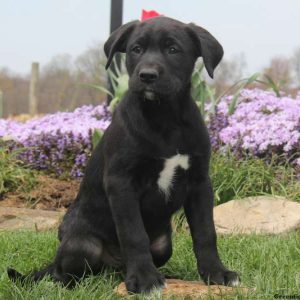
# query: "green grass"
270,264
13,173
235,178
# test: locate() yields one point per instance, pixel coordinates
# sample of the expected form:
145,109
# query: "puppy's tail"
33,276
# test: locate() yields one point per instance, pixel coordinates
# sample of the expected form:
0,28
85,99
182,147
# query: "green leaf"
122,86
211,95
234,100
113,79
273,85
97,135
113,104
97,87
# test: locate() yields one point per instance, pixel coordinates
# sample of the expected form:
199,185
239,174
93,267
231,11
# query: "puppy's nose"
148,75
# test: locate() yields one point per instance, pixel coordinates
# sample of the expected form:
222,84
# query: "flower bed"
261,125
57,142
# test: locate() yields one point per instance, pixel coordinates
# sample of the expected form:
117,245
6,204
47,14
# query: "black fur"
120,217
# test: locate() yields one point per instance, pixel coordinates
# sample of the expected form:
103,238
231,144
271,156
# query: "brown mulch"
49,194
181,289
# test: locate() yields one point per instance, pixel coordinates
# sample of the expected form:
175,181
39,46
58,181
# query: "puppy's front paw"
142,279
222,277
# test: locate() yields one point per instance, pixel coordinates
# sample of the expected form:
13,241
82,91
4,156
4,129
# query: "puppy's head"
161,53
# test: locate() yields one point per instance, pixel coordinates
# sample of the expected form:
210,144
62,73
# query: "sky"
37,30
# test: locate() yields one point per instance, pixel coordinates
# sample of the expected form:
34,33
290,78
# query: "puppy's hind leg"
76,257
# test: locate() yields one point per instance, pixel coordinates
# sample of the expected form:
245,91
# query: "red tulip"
149,14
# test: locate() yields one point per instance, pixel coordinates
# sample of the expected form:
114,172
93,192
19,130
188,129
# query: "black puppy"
152,160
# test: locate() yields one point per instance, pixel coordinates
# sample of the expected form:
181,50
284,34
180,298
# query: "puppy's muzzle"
148,75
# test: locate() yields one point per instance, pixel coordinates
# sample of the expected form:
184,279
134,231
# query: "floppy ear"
118,40
207,47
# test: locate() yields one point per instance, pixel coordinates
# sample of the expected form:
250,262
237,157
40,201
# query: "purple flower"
262,124
60,141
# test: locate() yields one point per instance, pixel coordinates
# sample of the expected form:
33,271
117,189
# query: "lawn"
268,264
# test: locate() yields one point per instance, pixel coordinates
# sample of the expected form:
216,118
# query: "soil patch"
48,194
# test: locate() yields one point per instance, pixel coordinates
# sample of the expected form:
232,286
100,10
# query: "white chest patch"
166,176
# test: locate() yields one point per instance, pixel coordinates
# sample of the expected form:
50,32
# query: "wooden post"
116,18
33,91
1,104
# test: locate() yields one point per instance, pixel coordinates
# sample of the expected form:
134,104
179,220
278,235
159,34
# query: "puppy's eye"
137,49
173,50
